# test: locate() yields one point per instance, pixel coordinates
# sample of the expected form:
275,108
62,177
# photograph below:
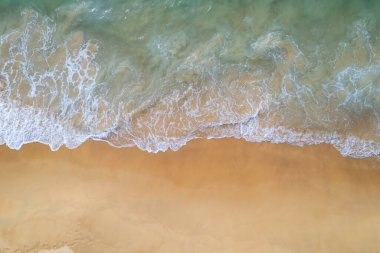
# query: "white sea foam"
64,249
57,88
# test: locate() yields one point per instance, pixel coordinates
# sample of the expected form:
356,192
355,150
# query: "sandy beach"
189,76
211,196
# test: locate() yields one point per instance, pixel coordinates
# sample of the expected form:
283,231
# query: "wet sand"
211,196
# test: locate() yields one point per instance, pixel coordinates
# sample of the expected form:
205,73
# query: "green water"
156,74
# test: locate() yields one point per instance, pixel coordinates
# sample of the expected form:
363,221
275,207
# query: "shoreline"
223,195
169,148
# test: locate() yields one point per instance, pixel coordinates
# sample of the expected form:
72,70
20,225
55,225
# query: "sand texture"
211,196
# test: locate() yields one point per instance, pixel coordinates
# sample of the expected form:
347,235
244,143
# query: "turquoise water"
156,74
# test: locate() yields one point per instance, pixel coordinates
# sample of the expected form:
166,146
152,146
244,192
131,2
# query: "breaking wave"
63,86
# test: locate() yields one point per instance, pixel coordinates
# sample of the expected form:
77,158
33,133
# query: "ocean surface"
158,73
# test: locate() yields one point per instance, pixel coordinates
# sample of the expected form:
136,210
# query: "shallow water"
156,74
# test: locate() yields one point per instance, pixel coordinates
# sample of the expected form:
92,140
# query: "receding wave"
118,75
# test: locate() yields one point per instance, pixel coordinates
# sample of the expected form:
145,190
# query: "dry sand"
211,196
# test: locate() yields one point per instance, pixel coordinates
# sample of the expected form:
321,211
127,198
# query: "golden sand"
211,196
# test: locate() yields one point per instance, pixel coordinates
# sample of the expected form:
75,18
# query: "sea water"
158,73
